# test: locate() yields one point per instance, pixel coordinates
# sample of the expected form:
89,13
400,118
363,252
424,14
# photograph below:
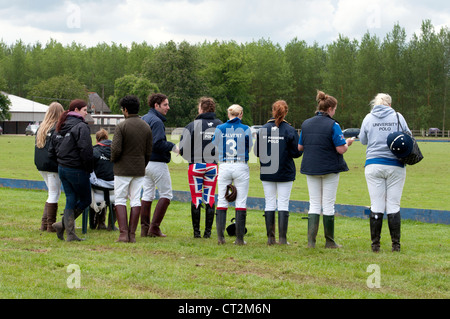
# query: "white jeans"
54,186
239,175
322,193
385,184
274,189
128,187
157,175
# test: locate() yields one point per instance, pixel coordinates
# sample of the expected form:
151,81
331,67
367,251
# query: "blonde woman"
385,174
48,167
233,140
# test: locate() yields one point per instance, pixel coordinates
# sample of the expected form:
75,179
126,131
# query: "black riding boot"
221,218
209,219
376,223
270,226
195,214
283,219
241,217
394,223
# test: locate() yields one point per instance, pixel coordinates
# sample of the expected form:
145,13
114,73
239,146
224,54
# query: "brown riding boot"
134,220
158,215
52,210
44,219
122,220
145,217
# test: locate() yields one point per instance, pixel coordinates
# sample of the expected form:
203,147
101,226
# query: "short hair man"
157,173
130,152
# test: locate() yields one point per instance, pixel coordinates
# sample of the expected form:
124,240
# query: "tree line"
256,74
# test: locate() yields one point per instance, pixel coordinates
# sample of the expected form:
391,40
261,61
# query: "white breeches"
385,184
322,193
54,186
237,174
272,190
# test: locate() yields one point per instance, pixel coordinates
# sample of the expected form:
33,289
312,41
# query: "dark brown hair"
156,98
75,104
279,111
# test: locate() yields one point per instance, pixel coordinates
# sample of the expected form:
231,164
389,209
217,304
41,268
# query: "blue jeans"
77,187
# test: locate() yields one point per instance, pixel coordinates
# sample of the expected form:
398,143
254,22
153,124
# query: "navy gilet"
320,156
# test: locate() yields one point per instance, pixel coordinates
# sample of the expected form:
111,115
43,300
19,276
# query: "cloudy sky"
90,22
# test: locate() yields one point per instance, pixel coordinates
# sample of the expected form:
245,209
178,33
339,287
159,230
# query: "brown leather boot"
134,220
52,210
158,215
146,207
44,219
122,220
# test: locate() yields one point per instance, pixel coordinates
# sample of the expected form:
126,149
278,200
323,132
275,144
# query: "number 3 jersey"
233,140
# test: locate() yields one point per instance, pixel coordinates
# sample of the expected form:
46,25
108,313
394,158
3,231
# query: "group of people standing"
218,155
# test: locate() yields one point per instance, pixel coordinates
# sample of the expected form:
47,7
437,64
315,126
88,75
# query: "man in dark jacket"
130,152
157,173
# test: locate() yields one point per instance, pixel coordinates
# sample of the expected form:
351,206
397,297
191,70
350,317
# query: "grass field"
427,183
35,264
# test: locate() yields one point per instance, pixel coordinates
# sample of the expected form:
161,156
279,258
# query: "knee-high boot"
221,218
241,217
209,219
195,215
44,219
270,226
122,220
158,215
283,220
146,207
135,213
376,223
69,223
313,228
52,210
328,225
394,223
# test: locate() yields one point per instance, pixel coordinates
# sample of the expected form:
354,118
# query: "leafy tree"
226,73
61,89
368,76
272,78
306,65
340,78
4,107
175,69
132,85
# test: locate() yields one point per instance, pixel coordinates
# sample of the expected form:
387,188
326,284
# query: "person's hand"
350,141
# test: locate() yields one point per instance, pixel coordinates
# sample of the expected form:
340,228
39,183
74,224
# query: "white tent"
23,110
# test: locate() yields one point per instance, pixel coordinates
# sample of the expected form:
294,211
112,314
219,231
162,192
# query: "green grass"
427,184
34,264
